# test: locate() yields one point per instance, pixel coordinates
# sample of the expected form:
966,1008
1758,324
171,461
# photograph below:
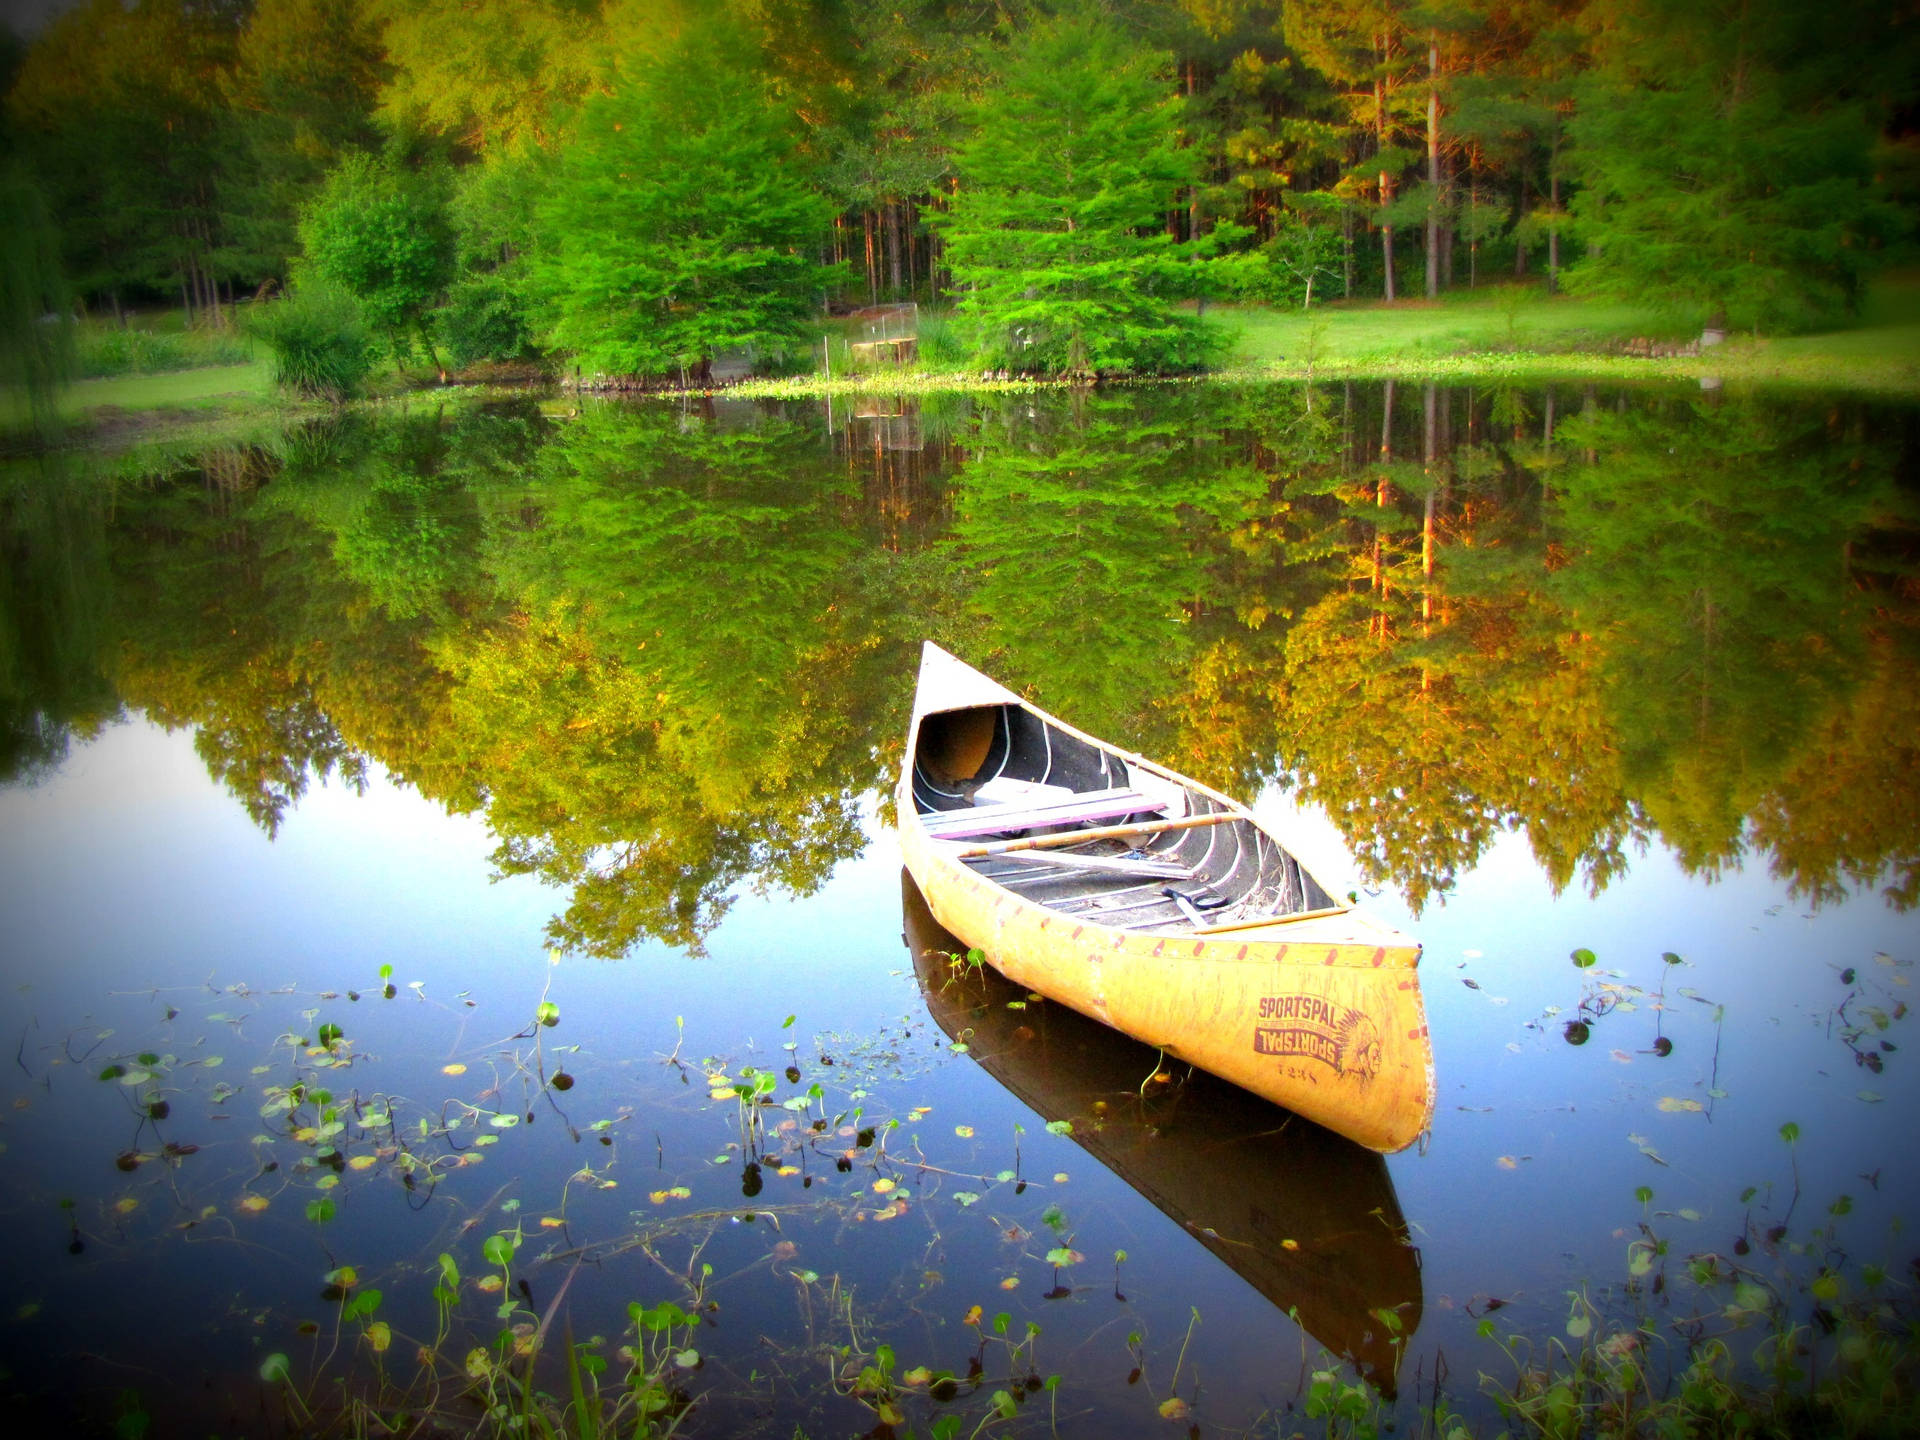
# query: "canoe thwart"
1099,864
1103,832
1078,810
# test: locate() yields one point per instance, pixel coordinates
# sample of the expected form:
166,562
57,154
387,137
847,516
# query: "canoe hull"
1334,1031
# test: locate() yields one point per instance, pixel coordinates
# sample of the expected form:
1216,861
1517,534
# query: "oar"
1102,832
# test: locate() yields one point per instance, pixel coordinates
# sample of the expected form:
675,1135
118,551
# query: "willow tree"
36,338
680,219
1055,235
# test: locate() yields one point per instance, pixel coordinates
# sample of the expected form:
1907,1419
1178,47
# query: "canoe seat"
1079,809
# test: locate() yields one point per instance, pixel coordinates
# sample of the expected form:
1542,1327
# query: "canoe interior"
1238,875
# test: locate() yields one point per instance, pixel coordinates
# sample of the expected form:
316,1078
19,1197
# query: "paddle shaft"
1102,832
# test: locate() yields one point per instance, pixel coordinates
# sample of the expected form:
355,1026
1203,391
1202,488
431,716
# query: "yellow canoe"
1308,1219
1158,906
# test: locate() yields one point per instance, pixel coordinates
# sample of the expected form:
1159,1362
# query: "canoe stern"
1336,1031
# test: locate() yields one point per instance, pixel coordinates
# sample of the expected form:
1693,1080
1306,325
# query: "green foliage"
1055,234
319,341
1302,257
54,615
36,330
381,232
305,78
493,75
484,320
1728,169
111,349
679,221
1092,502
117,111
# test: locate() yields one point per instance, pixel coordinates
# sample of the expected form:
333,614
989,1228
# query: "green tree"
116,108
56,607
302,91
487,315
1377,60
494,76
1727,154
679,220
1055,235
1711,542
381,232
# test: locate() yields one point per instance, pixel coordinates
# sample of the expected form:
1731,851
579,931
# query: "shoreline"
1741,367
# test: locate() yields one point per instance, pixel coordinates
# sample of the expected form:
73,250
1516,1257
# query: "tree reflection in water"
666,650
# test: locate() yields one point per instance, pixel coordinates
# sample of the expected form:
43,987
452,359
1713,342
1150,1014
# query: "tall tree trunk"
873,272
1553,228
1386,179
1519,250
1346,253
1433,168
1193,191
912,224
893,244
1473,244
1386,235
1429,451
1382,493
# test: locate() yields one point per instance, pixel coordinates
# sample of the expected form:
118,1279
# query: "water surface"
500,707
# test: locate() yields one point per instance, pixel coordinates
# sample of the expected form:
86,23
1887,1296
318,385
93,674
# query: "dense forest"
638,185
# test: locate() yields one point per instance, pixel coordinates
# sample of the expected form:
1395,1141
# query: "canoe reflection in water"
1309,1219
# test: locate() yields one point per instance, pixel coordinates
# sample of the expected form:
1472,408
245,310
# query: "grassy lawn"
1517,332
212,386
118,408
1493,318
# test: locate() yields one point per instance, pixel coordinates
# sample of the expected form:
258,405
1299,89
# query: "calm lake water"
334,757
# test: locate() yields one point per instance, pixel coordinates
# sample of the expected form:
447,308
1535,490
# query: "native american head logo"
1357,1048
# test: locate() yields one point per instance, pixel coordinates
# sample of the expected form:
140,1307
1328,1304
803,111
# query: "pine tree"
1056,232
680,221
1728,155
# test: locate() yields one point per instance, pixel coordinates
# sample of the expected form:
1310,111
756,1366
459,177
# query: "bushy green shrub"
483,320
320,341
